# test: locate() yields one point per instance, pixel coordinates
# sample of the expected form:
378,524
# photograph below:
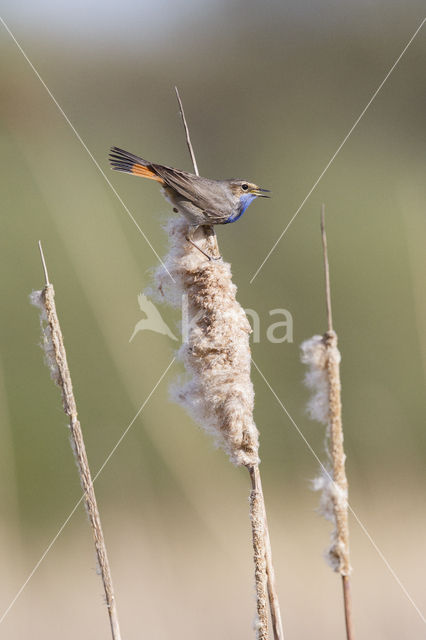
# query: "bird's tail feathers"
127,162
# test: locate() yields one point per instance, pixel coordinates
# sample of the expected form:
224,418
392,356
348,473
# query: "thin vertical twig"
340,506
206,232
347,599
274,604
257,519
188,138
326,271
43,262
264,570
57,361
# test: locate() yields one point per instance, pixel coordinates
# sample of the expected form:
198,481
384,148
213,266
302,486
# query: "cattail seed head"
322,357
36,299
217,392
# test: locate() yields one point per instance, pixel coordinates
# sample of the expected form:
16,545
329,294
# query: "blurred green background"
270,90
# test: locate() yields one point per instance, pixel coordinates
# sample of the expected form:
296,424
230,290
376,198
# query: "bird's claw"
194,244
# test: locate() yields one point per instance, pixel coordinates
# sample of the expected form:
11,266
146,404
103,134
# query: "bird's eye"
244,187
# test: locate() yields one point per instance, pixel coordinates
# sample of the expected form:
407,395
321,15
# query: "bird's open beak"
261,193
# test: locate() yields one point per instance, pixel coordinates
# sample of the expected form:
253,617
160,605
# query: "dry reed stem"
274,604
220,393
187,136
206,233
323,357
56,358
337,450
257,518
347,603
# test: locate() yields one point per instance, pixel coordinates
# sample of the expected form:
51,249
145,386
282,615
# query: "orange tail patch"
145,172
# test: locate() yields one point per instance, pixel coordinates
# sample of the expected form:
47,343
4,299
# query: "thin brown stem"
257,519
340,547
43,262
57,360
347,599
326,271
188,138
274,604
206,234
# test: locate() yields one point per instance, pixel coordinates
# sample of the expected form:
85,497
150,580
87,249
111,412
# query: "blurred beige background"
270,90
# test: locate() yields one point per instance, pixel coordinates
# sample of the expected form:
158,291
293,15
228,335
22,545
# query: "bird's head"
245,192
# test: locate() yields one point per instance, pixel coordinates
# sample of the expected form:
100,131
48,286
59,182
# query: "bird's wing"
188,185
215,216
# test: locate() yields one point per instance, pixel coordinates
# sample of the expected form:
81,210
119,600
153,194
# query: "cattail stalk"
218,392
257,519
56,359
323,358
336,443
274,604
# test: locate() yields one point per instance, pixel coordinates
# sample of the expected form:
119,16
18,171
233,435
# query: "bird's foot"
209,257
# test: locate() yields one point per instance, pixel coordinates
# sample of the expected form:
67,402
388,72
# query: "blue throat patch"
245,200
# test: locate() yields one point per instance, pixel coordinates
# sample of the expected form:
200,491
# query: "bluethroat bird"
201,200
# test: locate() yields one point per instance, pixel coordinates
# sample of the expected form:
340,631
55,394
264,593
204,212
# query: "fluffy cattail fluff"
314,356
322,357
36,298
217,391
